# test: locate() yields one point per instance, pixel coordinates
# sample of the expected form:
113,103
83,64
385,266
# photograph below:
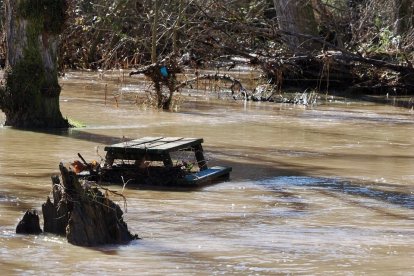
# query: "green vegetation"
76,124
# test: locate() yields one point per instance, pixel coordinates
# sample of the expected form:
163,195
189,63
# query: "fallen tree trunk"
82,213
235,83
334,69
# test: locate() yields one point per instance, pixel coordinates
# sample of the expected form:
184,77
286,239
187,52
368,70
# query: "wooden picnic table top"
155,145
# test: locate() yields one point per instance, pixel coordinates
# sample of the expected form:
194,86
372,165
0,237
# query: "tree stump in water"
29,223
84,214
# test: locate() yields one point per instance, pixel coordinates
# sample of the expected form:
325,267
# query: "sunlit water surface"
318,190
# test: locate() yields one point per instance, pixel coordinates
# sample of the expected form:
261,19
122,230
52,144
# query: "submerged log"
29,223
84,214
235,83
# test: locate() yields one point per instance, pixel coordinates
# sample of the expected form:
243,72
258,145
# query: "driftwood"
235,83
345,55
338,70
333,69
321,70
84,214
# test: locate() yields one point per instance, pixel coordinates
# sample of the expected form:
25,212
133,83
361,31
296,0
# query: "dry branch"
236,84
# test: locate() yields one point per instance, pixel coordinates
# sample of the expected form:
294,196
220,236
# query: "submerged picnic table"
159,149
155,149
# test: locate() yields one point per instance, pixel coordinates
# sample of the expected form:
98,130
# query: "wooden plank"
164,145
199,154
144,142
167,160
177,145
165,141
132,143
155,148
172,139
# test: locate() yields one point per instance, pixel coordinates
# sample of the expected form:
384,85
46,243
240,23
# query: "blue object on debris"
164,71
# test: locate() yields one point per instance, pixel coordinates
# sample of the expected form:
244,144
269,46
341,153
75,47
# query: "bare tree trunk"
31,96
404,16
297,17
154,31
177,26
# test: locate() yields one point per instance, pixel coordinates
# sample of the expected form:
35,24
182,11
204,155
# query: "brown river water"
322,190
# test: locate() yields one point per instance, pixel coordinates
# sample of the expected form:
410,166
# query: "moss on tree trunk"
30,98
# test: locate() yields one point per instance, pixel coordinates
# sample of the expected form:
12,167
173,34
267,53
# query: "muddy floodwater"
322,190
